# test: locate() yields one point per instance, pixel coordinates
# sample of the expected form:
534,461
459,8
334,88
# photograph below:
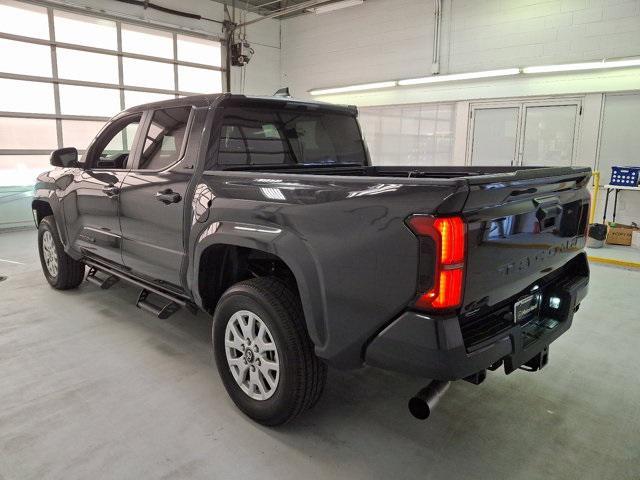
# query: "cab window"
165,138
115,143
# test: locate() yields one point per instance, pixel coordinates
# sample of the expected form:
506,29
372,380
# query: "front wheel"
61,271
263,352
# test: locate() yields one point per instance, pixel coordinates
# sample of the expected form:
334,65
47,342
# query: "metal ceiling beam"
284,11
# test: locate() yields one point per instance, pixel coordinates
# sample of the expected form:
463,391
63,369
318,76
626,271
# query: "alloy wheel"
252,355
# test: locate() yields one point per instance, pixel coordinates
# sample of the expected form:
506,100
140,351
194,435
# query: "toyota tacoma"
267,214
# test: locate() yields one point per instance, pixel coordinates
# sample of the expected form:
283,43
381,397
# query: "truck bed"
352,222
475,174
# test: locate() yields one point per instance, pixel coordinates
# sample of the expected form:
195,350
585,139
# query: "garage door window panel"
87,66
409,135
23,19
27,97
27,134
86,31
19,170
24,58
199,50
199,80
79,133
144,73
78,100
147,41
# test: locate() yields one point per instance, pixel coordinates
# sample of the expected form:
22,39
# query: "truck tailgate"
521,228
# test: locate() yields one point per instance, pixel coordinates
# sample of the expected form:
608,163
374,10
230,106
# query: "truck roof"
231,99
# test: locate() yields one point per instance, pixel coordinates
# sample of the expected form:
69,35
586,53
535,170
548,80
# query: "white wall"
387,40
495,34
382,39
262,75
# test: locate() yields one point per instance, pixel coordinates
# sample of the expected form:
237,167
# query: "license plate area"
526,308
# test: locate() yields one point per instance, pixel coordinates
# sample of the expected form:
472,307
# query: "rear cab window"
280,136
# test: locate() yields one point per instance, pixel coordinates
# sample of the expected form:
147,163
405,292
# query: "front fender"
278,241
45,193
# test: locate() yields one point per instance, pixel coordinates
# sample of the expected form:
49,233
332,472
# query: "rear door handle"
111,191
168,196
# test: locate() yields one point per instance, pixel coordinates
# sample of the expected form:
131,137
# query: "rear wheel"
61,271
263,352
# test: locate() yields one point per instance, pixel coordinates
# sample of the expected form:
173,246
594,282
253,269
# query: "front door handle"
168,196
111,191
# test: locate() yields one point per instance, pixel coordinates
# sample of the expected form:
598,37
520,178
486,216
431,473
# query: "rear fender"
277,241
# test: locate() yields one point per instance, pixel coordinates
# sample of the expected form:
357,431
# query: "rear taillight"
446,274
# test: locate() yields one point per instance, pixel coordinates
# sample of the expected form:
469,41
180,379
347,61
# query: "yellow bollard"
594,198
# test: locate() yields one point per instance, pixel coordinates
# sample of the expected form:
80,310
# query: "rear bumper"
434,348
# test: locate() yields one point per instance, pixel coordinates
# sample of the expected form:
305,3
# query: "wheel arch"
41,208
236,247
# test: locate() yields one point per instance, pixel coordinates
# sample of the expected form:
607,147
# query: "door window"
165,138
115,143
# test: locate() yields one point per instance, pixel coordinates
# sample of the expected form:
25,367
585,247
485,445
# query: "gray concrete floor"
91,387
616,252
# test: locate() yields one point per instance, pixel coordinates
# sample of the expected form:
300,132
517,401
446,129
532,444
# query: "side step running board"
175,302
161,312
105,283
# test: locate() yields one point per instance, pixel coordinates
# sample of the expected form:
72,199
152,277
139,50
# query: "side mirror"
64,157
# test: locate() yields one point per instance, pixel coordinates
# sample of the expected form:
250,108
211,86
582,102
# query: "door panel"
549,135
92,215
91,206
152,230
495,136
152,199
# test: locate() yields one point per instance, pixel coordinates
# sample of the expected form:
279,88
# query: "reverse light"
448,235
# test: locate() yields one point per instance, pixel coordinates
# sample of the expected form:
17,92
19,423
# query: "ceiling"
266,7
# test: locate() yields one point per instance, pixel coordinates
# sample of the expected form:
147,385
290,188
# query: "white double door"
527,133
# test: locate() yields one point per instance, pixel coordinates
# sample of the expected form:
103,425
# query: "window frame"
98,143
146,125
212,163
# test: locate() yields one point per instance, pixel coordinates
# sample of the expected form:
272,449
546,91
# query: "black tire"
70,272
302,374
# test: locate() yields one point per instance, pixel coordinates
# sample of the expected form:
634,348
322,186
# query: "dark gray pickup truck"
267,214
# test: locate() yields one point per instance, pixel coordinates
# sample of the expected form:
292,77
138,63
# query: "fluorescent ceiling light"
353,88
460,76
633,62
335,6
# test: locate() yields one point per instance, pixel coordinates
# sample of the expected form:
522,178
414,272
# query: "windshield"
284,137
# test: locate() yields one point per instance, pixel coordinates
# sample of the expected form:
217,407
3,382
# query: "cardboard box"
620,234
